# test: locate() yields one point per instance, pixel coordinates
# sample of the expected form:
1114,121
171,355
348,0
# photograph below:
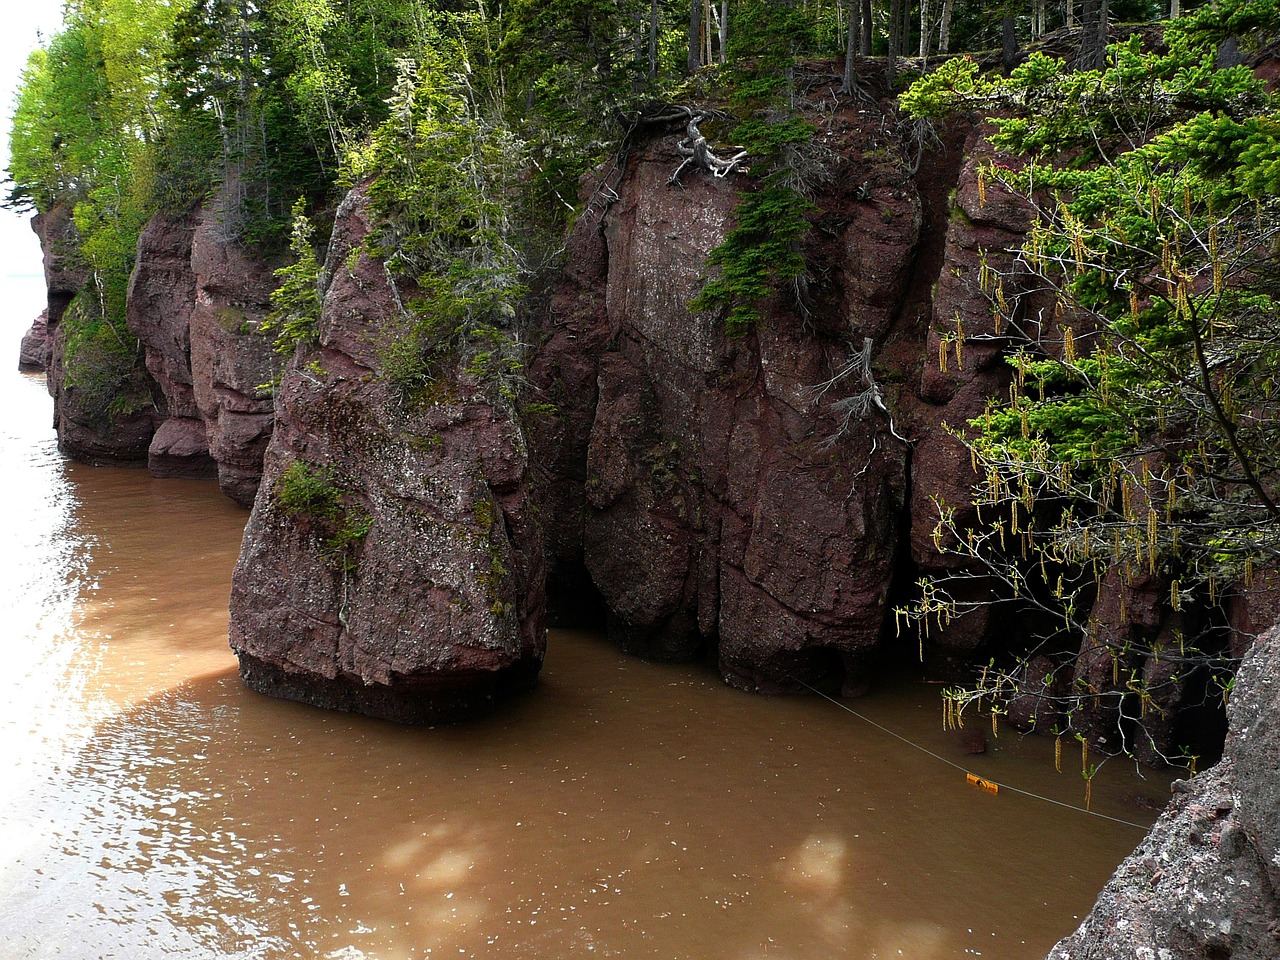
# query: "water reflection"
622,809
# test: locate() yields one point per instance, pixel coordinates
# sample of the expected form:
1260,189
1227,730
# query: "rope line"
966,772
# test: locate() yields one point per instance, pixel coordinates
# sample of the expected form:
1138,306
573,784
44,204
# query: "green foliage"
314,495
1133,442
295,304
758,255
102,365
442,164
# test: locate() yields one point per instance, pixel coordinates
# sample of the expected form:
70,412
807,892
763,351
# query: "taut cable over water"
973,776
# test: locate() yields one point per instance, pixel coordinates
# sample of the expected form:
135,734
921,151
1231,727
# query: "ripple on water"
153,807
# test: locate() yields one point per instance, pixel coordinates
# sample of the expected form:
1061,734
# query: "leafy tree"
1136,448
441,168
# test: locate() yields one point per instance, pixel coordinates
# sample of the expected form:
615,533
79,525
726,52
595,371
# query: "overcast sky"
21,278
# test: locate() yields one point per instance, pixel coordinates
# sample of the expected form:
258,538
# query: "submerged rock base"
423,699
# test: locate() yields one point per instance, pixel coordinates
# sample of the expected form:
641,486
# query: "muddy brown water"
151,807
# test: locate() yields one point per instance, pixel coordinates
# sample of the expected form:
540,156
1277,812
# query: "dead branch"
859,405
695,149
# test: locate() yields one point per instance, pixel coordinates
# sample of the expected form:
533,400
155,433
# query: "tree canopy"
1137,447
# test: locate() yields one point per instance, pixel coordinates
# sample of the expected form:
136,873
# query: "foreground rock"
391,565
1203,885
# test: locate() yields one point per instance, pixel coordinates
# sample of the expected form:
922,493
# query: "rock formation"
392,564
232,364
716,497
1203,884
196,300
725,508
161,298
33,353
91,427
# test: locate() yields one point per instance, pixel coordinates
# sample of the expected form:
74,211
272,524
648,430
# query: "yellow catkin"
1057,754
1133,303
942,354
1084,755
1088,793
995,724
1068,345
982,186
1175,601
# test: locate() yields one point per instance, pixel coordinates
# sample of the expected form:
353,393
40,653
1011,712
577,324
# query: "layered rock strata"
161,298
392,564
196,302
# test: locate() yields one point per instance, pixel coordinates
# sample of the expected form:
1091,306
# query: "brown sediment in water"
155,807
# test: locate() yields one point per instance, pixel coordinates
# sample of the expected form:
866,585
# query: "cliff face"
1203,884
195,303
739,500
726,509
729,499
87,429
392,564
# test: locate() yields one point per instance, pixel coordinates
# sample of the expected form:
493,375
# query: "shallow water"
152,807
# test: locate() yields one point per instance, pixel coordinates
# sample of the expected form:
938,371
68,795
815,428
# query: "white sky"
21,273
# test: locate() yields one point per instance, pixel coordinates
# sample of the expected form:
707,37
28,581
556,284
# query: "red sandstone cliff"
392,564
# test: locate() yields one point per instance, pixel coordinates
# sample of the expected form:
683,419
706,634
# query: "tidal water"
151,807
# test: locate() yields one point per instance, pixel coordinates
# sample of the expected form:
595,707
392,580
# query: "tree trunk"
708,12
864,47
944,32
695,35
653,38
1071,14
895,40
926,28
1009,43
724,30
851,46
1093,21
